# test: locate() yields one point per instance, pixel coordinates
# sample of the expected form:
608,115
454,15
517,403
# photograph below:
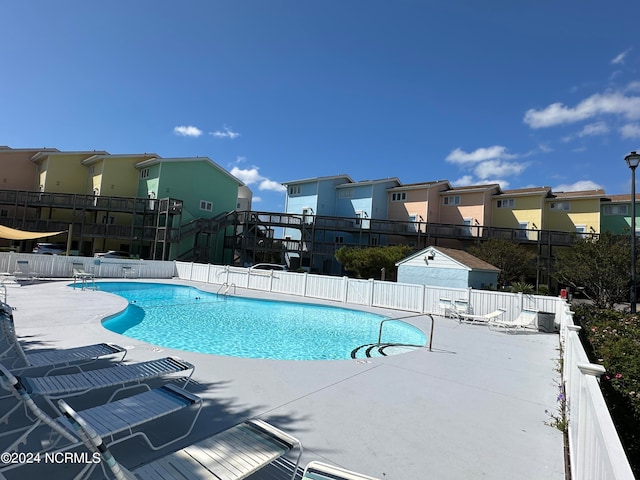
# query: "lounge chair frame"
126,376
54,359
526,318
232,454
323,471
115,421
482,319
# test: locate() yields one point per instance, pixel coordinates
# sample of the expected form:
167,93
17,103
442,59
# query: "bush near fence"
611,338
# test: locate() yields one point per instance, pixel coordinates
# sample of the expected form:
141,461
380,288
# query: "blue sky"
524,93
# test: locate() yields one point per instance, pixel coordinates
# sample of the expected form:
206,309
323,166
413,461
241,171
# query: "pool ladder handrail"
409,316
229,286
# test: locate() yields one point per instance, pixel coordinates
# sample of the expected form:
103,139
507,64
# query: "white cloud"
274,186
481,154
467,180
252,175
463,181
187,131
597,128
578,186
492,168
256,199
633,87
619,59
225,133
247,175
630,130
608,103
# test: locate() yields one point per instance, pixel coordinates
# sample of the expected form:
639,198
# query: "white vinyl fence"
373,293
594,446
60,266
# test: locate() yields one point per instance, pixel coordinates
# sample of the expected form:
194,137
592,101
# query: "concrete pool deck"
473,407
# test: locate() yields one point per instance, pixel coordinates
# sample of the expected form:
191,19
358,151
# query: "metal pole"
633,240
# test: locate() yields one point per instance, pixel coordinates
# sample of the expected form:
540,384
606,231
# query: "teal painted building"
615,214
205,189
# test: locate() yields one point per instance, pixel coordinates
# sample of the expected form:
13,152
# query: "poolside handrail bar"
401,319
225,284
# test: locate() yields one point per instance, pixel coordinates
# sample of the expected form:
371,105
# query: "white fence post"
371,284
304,284
345,289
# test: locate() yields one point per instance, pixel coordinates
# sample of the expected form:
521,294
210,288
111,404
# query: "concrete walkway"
474,407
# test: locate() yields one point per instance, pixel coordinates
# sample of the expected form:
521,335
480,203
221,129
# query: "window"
108,220
452,200
558,206
581,230
206,206
398,197
4,213
339,240
616,210
345,193
294,190
144,173
507,203
373,241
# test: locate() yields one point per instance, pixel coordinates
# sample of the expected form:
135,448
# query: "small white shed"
447,267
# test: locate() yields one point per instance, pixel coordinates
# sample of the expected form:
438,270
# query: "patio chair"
232,454
23,271
323,471
125,376
17,359
483,319
85,278
446,307
526,318
115,421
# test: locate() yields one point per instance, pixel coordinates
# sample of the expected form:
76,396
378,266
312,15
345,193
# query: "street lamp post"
633,159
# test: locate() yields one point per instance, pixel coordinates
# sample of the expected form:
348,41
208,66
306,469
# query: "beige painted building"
469,206
416,202
17,171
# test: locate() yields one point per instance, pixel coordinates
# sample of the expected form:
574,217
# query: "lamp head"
633,160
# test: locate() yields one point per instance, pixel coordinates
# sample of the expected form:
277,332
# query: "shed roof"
459,256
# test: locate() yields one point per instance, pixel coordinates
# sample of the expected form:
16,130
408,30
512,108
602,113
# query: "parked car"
50,248
268,266
112,254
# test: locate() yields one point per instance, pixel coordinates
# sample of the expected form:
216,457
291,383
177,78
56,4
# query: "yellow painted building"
573,211
114,175
62,172
520,209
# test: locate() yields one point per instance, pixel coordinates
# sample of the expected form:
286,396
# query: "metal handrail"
409,316
225,284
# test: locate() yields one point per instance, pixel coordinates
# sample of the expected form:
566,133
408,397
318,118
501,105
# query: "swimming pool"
186,318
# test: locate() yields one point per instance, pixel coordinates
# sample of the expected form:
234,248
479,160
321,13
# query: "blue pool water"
186,318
